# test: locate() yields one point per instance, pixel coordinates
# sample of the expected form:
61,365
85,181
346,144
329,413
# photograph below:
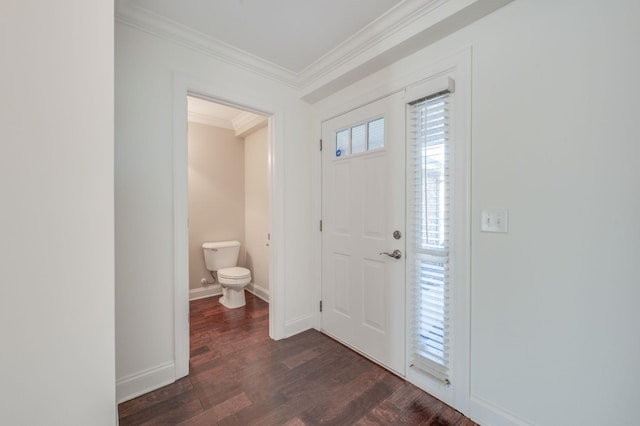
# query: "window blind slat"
429,192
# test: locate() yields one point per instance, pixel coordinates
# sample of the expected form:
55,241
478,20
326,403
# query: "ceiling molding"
209,120
246,123
142,19
404,29
382,28
243,124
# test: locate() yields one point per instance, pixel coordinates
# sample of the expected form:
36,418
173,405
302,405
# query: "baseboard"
202,292
485,413
146,381
298,325
216,290
258,291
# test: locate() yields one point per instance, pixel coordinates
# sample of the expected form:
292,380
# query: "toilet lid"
234,273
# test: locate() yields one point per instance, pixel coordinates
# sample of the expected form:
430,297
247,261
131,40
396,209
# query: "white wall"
256,169
145,70
216,194
555,140
56,221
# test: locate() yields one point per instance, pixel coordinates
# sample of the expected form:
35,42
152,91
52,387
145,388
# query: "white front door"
363,205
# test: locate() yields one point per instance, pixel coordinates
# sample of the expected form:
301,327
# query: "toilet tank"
221,254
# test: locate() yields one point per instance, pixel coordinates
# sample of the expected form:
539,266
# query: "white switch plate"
495,220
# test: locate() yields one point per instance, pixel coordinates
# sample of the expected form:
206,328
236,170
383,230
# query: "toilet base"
232,298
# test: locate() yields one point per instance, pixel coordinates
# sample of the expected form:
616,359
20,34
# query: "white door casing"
183,86
363,203
415,80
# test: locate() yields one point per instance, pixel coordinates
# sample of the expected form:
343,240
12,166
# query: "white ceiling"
292,34
316,47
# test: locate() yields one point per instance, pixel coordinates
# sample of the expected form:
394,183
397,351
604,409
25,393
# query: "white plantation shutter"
428,233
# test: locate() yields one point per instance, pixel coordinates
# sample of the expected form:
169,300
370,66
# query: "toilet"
222,257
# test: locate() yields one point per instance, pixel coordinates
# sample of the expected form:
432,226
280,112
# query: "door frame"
399,76
182,86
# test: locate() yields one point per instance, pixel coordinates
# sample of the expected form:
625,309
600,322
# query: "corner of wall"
258,291
298,325
145,381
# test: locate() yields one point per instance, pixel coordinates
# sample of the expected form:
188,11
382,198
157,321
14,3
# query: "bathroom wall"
256,188
216,194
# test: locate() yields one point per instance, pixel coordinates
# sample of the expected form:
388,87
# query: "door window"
362,137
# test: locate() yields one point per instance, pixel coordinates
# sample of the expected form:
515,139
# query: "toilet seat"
233,281
234,273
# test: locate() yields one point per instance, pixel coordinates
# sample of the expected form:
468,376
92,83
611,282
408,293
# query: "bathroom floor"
239,376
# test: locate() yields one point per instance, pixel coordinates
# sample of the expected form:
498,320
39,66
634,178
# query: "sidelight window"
429,225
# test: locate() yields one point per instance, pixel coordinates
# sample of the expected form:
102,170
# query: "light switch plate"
495,220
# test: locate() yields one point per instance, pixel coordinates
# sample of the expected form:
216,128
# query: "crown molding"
144,20
383,28
242,124
246,123
411,26
209,120
403,30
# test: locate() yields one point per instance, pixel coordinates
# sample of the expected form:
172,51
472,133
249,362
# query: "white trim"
184,85
387,81
457,394
404,30
216,290
299,324
209,120
277,220
401,31
246,123
140,383
130,14
258,291
316,234
384,27
463,161
204,292
180,230
485,413
242,124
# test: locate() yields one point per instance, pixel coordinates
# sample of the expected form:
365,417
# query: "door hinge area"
321,306
320,144
320,225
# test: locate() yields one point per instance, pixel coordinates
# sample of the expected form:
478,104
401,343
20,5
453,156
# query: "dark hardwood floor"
239,376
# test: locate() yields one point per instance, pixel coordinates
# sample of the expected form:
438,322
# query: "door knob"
396,254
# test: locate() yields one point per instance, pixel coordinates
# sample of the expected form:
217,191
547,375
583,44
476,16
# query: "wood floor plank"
341,396
167,412
154,398
239,376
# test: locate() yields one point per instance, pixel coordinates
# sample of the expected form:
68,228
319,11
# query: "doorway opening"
228,191
228,168
185,86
